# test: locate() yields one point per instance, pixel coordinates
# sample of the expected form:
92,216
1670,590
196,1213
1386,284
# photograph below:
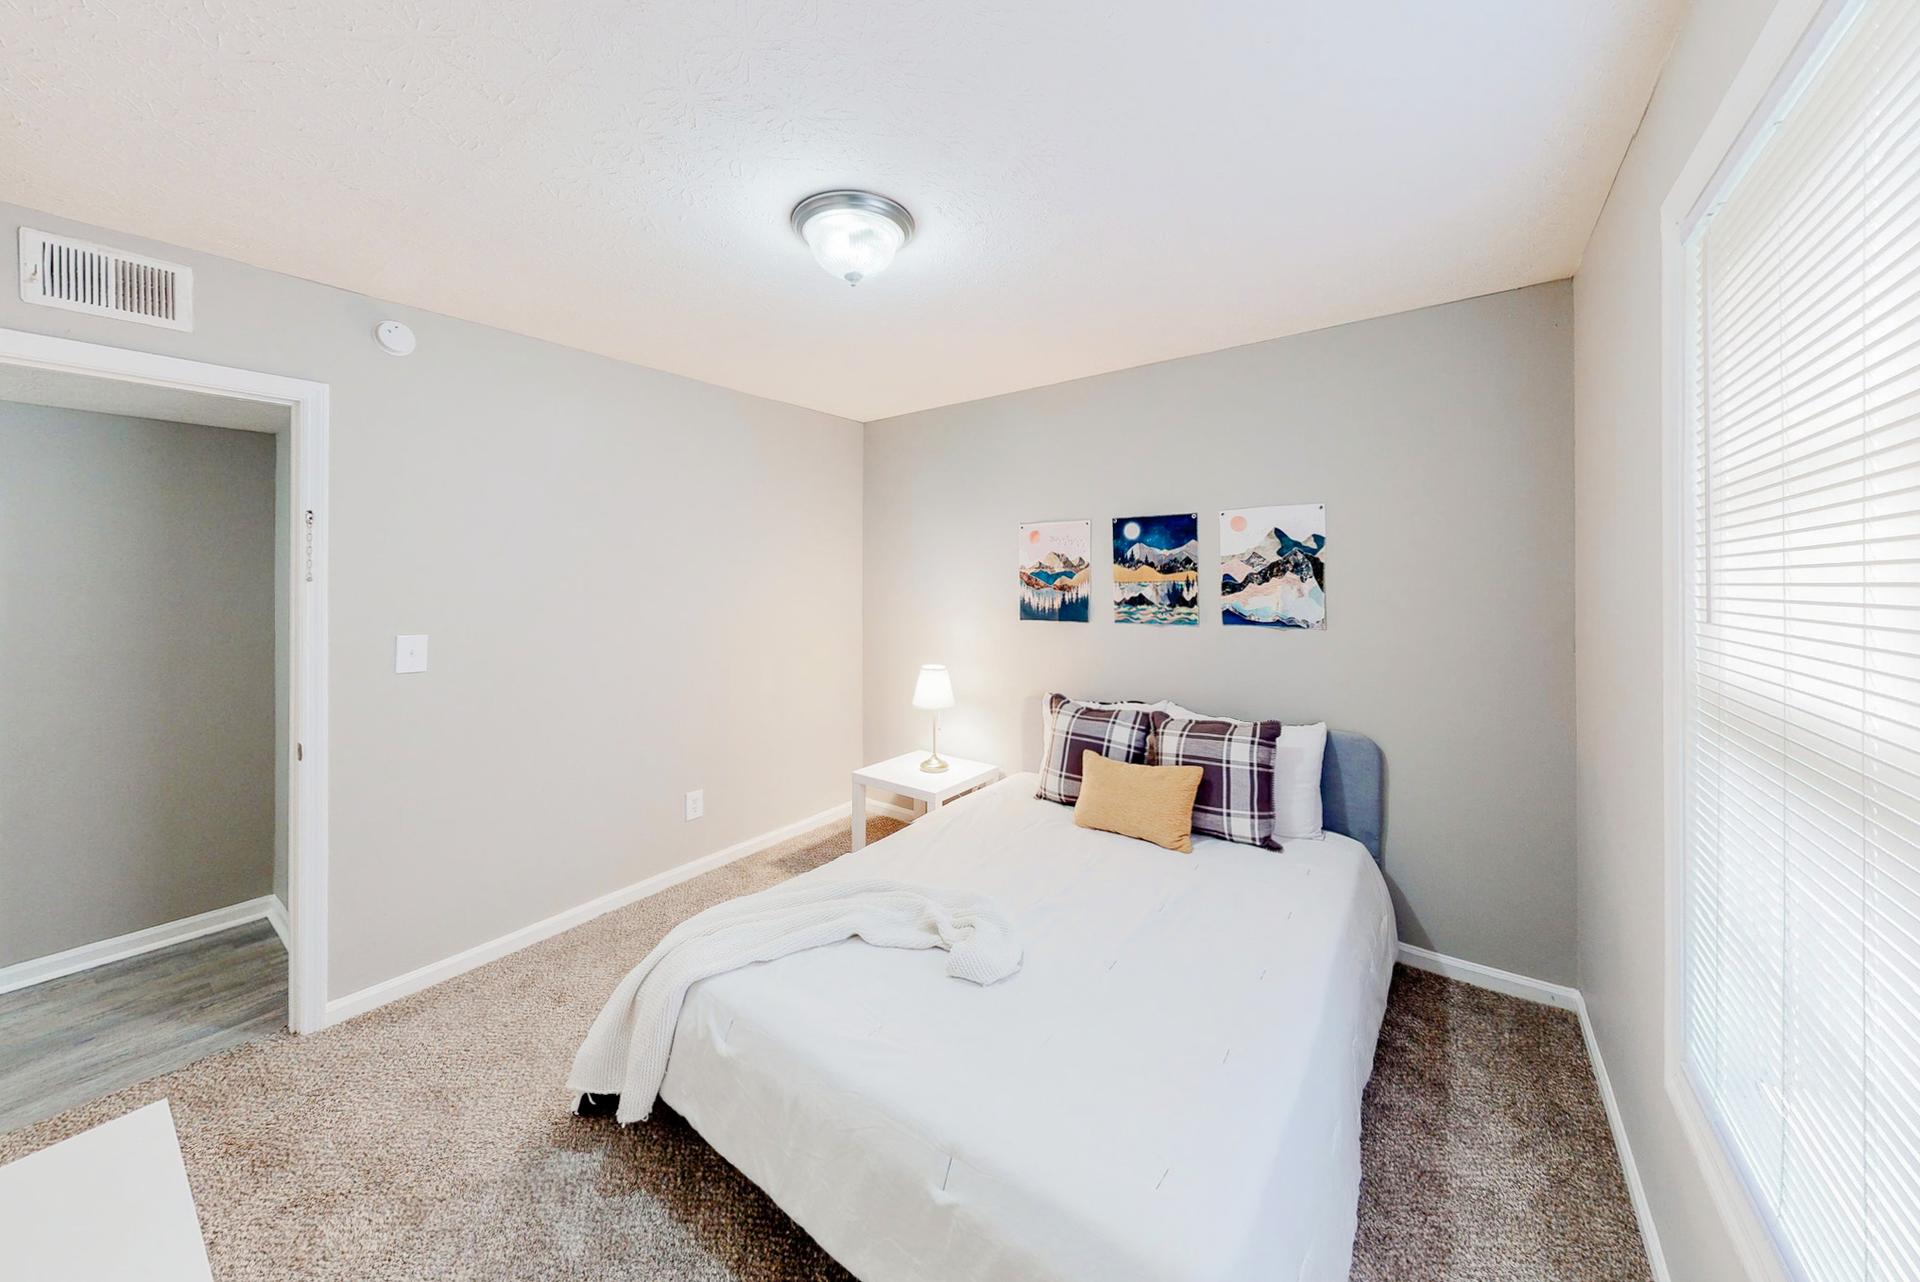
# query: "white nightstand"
903,775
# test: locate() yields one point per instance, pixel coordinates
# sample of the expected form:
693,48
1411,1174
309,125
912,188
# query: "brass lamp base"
933,765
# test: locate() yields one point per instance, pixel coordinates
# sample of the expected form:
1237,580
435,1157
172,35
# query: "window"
1800,913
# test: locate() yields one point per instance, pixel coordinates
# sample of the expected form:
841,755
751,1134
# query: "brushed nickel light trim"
820,202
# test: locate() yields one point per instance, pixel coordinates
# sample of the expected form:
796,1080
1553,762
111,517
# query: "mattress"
1168,1090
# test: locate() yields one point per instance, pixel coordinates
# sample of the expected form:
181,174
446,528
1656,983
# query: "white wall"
635,584
1617,574
1440,441
136,674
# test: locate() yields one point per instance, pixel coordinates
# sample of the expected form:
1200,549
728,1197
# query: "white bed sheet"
1168,1090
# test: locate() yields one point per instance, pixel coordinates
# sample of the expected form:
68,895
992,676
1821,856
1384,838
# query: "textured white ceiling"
1099,183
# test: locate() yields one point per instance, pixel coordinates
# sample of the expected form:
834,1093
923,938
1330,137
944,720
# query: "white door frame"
306,744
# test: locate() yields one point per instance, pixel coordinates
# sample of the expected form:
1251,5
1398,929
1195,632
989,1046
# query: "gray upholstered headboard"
1352,789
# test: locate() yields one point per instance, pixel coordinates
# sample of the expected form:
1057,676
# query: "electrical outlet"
696,803
410,654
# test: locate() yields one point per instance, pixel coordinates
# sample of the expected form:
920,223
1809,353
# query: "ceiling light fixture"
853,234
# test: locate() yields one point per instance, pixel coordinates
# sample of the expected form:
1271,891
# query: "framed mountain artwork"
1054,567
1156,569
1273,566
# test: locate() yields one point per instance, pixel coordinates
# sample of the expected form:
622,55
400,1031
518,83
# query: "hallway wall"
136,674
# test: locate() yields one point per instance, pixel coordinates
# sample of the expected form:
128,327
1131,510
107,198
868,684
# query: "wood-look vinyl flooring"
74,1039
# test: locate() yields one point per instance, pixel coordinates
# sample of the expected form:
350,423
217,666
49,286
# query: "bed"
1168,1091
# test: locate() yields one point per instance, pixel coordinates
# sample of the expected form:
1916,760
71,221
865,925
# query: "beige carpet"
432,1138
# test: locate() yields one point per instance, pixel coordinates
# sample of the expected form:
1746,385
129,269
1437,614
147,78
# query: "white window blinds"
1801,920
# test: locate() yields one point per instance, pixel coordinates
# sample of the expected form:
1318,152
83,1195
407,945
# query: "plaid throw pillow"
1236,773
1116,733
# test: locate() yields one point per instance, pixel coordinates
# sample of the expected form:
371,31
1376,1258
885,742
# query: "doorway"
47,370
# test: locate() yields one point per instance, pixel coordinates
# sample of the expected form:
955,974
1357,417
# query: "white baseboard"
40,969
1560,997
1636,1191
390,990
277,918
1524,987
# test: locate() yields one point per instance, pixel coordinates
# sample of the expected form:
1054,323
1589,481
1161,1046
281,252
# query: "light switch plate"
410,654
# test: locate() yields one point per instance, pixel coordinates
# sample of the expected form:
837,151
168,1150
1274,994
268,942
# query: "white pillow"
1298,754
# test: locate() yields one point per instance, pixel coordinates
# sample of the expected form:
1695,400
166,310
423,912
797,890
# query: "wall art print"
1273,566
1156,569
1054,567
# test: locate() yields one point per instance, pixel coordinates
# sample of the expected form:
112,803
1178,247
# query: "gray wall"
1617,574
136,674
1441,443
635,584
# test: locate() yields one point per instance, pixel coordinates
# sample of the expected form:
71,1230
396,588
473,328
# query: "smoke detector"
394,338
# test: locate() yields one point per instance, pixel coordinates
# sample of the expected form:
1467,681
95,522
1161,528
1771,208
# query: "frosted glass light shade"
853,244
934,689
853,234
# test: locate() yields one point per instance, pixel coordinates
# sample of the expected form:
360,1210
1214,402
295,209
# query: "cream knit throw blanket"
626,1049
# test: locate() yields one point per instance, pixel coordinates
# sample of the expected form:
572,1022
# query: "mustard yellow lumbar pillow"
1153,803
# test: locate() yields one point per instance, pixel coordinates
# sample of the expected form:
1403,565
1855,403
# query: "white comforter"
1168,1091
625,1052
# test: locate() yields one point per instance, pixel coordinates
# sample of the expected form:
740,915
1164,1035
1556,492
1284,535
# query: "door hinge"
299,752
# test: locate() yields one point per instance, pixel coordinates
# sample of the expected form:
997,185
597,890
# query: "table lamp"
933,691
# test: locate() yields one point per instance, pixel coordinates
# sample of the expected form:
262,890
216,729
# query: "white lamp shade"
934,689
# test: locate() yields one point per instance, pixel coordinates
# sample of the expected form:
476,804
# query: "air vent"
58,271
